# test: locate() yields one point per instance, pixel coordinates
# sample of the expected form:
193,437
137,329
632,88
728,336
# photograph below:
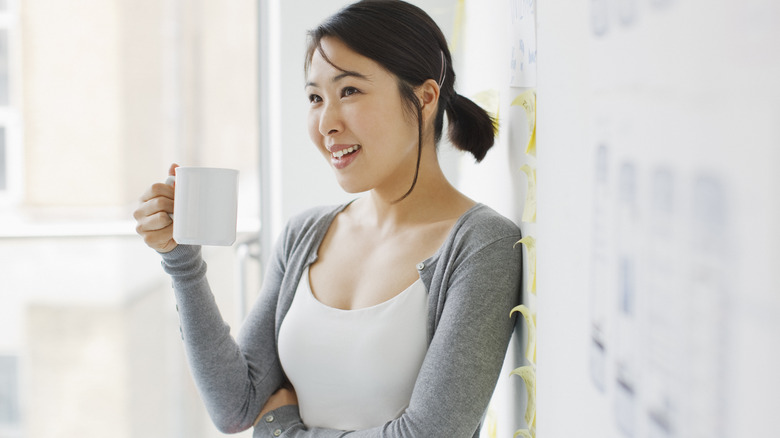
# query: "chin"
353,190
352,187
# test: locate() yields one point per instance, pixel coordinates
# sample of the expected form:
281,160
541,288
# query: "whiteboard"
658,205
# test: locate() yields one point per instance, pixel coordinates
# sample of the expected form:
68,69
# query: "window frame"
10,118
13,429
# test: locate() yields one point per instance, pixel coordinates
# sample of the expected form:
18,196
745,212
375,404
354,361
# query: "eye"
349,91
313,98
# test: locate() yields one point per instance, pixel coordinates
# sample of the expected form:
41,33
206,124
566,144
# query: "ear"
428,93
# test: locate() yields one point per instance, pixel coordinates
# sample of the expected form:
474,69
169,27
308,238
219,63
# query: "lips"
342,155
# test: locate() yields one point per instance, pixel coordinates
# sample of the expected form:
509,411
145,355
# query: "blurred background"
657,195
97,98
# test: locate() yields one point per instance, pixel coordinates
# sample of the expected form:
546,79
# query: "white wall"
483,64
680,96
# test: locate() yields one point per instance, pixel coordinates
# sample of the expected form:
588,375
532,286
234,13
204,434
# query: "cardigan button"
277,432
269,419
420,266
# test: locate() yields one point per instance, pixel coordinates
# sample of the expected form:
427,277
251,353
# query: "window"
9,148
4,90
93,319
3,162
10,418
10,156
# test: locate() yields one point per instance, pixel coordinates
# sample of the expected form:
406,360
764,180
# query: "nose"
330,120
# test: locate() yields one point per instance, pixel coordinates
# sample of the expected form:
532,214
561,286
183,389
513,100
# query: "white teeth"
349,150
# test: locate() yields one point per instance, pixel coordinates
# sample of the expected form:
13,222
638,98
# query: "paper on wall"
528,375
529,209
530,246
489,101
523,34
460,10
530,322
527,100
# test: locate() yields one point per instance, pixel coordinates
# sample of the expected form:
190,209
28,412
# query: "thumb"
172,169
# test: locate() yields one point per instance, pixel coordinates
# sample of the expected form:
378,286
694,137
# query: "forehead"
342,59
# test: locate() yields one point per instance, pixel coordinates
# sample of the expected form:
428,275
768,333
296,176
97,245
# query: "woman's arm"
463,361
234,379
231,386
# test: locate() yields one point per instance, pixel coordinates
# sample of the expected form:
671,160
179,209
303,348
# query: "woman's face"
359,122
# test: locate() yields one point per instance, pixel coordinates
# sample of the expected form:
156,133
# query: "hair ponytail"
471,128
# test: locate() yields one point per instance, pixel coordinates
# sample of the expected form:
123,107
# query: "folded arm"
463,361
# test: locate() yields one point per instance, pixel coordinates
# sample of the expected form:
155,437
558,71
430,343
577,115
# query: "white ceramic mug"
205,207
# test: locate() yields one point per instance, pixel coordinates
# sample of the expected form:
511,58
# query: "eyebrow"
344,74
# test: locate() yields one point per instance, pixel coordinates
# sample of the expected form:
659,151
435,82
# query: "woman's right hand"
283,396
153,220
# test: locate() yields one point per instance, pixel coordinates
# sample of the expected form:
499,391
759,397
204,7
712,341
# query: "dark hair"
404,40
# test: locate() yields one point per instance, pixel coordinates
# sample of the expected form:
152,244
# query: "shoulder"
314,216
309,225
482,232
483,225
481,214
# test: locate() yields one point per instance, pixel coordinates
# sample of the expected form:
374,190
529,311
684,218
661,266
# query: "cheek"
313,127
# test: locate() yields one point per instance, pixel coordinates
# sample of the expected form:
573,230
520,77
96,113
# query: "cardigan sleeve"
234,378
463,361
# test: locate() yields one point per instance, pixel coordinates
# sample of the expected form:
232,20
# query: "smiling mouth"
343,152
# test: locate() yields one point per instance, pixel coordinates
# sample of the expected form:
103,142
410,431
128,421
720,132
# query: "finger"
160,240
153,222
159,204
172,169
155,237
158,189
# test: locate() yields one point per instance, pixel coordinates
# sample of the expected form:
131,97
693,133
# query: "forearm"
286,422
217,363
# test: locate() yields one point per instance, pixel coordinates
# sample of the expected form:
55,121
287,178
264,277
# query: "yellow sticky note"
460,13
530,246
489,101
525,433
529,209
528,375
530,322
533,361
528,101
491,423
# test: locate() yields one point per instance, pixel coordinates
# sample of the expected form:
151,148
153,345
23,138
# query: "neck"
432,198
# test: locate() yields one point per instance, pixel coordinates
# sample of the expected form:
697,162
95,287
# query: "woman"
384,317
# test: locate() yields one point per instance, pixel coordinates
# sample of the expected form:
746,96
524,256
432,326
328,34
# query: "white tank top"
353,369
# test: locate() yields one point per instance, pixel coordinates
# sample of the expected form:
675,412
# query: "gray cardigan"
473,281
